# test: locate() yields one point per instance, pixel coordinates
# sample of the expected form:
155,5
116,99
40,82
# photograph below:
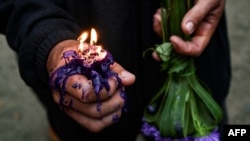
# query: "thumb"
127,78
196,15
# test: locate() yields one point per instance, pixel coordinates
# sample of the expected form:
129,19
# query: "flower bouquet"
183,109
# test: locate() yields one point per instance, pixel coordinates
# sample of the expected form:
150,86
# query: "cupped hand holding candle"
80,101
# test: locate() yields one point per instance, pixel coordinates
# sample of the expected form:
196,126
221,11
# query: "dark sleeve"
32,28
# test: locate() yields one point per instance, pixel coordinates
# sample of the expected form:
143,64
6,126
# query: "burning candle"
91,52
90,60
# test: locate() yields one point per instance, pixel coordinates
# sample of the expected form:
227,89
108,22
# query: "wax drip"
115,118
98,72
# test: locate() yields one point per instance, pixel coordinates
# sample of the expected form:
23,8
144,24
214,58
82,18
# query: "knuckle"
121,102
56,97
197,51
192,50
95,113
96,127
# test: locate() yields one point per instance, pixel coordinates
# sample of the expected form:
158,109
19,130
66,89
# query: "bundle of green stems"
184,107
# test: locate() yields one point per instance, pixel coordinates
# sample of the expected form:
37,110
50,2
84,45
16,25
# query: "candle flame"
81,39
90,51
93,36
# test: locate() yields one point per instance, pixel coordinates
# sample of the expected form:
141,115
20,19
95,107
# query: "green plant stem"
184,105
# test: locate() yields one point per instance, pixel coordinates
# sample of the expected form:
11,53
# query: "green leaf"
178,65
164,51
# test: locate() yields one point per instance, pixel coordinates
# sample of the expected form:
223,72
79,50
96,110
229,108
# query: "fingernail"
190,27
127,77
125,74
157,19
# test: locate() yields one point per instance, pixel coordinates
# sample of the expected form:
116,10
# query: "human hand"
81,103
200,21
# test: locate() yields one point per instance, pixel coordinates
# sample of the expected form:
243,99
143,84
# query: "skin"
84,110
201,21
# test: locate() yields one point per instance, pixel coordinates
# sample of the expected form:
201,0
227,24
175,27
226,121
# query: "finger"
157,22
191,48
196,15
93,124
96,109
82,89
127,78
155,56
202,23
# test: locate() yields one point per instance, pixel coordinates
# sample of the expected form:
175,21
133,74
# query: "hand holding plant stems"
184,108
200,21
